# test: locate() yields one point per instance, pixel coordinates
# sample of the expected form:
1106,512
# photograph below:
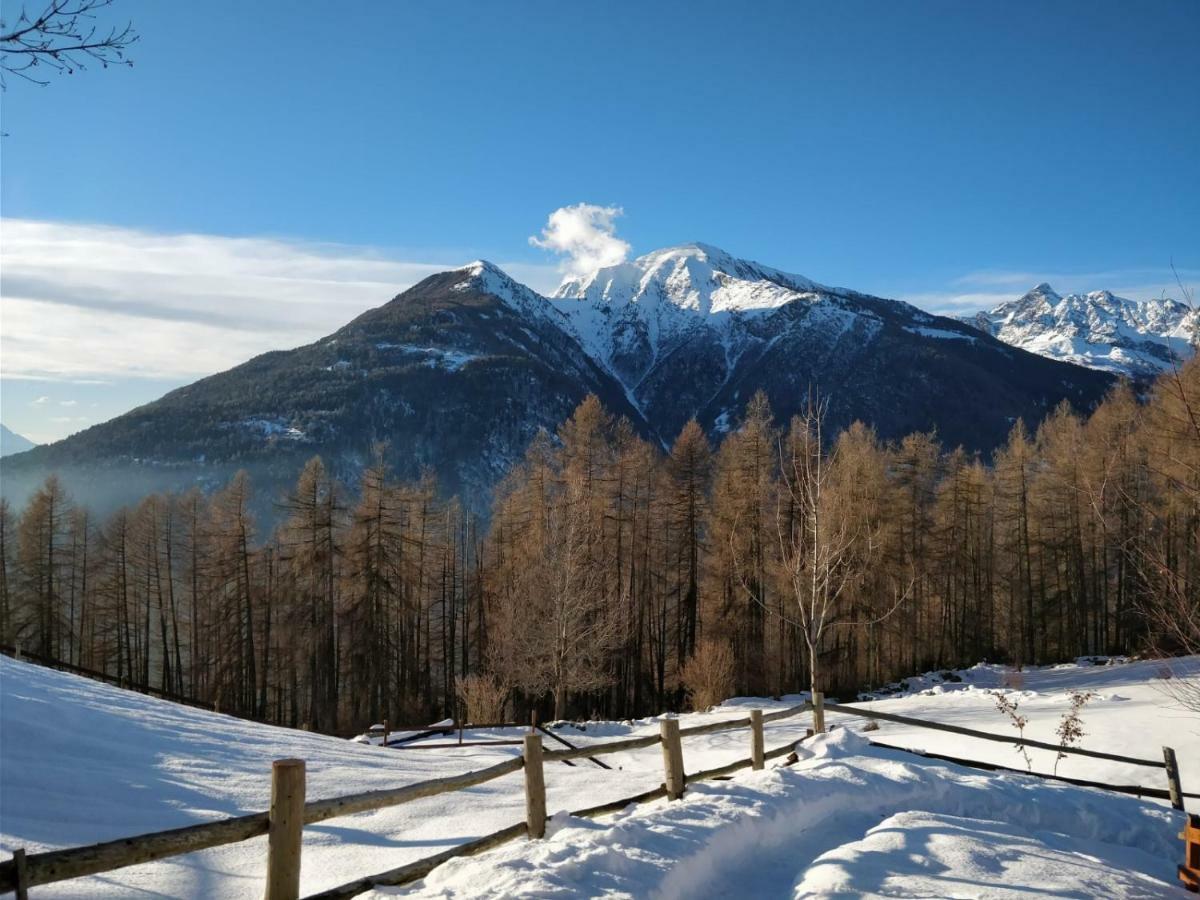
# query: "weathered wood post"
818,702
672,758
385,732
533,721
1173,785
22,872
756,739
535,788
285,829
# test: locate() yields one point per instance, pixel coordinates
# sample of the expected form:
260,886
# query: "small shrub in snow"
1010,708
708,676
482,696
1070,727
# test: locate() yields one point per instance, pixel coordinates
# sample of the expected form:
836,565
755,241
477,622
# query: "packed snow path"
838,824
82,762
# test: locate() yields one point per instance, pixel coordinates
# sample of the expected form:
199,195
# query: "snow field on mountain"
83,762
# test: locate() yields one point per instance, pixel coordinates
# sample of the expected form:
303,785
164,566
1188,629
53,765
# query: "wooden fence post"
1173,786
385,732
818,702
535,788
285,829
756,740
672,758
22,872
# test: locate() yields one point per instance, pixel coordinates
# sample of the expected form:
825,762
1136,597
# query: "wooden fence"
290,812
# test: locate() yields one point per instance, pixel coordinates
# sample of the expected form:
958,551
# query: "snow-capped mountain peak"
484,277
642,319
695,277
1136,338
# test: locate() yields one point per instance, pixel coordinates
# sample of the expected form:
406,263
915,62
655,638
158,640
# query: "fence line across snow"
288,815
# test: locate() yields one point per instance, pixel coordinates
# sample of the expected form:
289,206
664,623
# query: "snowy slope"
851,820
484,277
1098,329
846,821
692,331
83,762
631,315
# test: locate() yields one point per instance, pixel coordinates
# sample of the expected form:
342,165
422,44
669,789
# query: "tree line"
615,577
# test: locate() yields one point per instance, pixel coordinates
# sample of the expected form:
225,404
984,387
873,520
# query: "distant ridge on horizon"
1137,339
11,442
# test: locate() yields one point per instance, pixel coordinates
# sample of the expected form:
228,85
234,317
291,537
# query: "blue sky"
944,152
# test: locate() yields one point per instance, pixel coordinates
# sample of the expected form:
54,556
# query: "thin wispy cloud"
87,302
586,236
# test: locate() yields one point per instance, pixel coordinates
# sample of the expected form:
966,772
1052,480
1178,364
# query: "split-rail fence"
290,811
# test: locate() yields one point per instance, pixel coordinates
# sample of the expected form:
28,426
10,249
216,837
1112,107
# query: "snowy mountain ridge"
630,315
487,278
697,277
1135,338
461,371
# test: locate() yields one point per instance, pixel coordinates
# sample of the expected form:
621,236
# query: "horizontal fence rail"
76,862
1134,790
989,736
25,871
413,871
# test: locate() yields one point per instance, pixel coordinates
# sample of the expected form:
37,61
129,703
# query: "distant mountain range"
11,442
1137,339
459,372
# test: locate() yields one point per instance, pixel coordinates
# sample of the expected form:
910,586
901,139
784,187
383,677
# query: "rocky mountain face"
1135,339
459,372
692,331
456,374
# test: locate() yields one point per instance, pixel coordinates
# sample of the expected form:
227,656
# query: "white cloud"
68,402
39,401
586,235
89,302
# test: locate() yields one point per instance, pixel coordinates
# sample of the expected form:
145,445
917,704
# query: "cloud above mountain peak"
586,235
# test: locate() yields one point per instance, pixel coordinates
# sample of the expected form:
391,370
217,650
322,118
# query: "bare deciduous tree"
559,634
824,549
63,38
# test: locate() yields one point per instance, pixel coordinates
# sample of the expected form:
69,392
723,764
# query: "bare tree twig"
63,39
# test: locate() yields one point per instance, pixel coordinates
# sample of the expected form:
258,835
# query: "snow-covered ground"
83,762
